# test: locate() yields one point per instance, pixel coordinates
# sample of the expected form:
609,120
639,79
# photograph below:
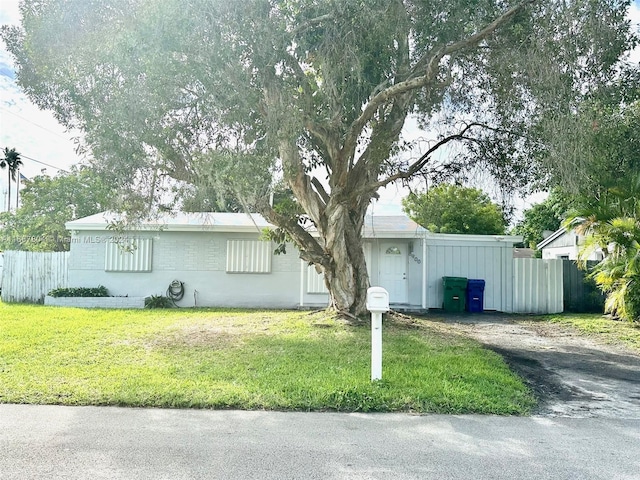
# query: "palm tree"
12,162
611,224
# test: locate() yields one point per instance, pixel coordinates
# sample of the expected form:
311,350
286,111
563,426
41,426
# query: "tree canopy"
545,216
47,203
455,209
315,93
607,206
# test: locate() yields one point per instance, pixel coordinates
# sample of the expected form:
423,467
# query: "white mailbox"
377,299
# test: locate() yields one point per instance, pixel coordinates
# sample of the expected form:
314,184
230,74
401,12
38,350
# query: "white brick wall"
202,252
289,262
95,302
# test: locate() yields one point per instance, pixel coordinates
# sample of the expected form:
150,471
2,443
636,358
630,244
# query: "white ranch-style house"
222,261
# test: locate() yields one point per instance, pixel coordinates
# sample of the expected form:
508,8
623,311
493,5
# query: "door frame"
399,297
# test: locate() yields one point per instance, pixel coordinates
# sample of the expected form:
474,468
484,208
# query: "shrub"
158,301
99,291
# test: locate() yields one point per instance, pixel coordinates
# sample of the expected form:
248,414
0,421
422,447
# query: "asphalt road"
54,442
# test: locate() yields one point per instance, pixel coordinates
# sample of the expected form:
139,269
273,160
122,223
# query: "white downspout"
302,264
424,273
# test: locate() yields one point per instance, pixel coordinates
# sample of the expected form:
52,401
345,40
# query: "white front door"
393,270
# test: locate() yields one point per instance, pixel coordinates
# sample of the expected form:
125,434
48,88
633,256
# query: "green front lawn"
245,359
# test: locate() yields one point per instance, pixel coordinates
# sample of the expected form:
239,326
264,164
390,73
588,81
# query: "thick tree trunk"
346,274
340,256
339,219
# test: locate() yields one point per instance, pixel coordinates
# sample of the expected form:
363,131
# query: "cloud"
7,71
634,16
9,12
33,132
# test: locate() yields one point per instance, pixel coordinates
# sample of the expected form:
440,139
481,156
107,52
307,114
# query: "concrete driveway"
47,442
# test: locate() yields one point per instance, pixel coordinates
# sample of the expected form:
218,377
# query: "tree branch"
431,70
300,183
323,135
318,131
312,23
424,159
310,249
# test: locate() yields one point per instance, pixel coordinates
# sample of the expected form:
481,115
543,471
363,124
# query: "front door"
393,270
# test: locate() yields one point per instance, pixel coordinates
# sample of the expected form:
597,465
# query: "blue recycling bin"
475,295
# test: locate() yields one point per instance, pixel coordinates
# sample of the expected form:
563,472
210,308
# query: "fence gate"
537,286
29,276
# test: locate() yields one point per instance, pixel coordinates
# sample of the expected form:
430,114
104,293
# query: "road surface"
57,442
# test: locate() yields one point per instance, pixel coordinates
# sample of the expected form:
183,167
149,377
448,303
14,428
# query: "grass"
604,327
244,359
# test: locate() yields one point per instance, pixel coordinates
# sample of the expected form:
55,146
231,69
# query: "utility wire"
43,163
43,128
33,123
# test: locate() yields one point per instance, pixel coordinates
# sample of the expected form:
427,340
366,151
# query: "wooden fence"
580,292
29,276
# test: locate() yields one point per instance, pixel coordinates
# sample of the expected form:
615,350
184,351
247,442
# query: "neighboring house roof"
555,235
559,233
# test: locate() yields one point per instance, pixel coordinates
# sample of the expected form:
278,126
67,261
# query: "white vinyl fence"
537,286
29,276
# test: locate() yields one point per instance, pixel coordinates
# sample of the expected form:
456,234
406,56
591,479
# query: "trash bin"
475,295
454,293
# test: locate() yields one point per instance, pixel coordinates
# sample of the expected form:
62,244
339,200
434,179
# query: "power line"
43,128
33,123
43,163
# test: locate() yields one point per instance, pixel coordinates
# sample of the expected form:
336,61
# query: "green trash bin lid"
454,282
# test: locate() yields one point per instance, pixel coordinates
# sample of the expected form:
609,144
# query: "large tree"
49,202
234,93
455,209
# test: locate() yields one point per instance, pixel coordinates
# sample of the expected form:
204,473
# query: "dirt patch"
571,375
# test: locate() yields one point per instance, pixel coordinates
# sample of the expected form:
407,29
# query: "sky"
45,144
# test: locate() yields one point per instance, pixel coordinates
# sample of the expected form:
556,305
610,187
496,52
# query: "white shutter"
132,256
248,256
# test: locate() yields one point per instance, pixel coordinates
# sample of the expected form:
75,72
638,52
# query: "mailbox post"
377,304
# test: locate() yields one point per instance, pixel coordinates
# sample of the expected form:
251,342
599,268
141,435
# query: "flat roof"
197,221
375,226
387,226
